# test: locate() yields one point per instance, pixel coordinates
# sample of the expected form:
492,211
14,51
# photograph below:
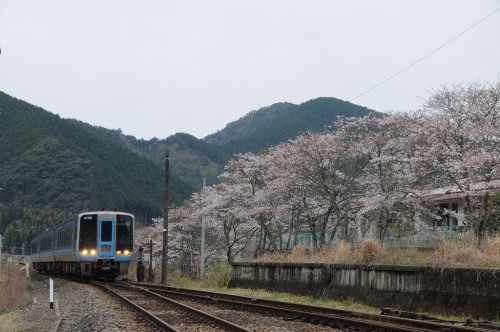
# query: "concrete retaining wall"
468,292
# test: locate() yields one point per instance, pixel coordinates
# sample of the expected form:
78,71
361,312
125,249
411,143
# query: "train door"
106,236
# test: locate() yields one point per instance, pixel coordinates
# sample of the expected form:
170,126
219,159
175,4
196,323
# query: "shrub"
343,252
219,274
301,253
369,248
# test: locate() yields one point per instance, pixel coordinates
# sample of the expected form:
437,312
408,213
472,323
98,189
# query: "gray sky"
158,67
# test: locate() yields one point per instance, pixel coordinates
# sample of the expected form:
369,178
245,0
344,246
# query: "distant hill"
250,123
280,122
191,159
50,167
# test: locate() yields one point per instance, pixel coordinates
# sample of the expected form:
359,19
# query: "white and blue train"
92,244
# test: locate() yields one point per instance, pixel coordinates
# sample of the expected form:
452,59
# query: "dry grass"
370,249
463,252
466,252
491,251
14,288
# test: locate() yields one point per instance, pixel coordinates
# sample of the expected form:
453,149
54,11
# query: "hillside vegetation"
51,168
192,159
280,122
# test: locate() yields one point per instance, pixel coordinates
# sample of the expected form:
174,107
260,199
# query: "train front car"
105,243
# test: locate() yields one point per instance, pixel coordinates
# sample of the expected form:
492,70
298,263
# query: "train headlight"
126,252
119,252
85,252
92,252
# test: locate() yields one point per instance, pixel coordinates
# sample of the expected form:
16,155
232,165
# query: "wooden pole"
151,277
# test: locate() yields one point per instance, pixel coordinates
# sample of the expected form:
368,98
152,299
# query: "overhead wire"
425,56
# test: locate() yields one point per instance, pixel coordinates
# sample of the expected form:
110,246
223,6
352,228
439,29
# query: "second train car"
92,244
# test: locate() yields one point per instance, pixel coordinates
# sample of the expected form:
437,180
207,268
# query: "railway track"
195,315
291,312
167,314
176,309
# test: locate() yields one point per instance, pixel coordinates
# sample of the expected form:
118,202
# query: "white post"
202,249
51,293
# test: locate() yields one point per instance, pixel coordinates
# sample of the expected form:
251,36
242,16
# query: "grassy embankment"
219,275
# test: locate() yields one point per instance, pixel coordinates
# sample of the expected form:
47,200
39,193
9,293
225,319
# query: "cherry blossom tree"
390,181
223,204
184,237
320,175
268,202
461,126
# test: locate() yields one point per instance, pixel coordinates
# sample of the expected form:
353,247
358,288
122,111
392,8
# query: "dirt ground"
12,322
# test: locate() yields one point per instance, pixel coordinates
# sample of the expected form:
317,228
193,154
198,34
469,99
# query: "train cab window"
106,231
124,232
88,232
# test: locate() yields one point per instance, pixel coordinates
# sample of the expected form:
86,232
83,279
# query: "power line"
424,57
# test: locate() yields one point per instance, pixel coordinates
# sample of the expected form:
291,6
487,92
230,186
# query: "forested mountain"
51,167
250,123
191,159
280,122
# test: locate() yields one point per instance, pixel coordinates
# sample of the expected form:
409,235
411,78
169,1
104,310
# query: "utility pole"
0,257
202,249
165,221
151,277
1,239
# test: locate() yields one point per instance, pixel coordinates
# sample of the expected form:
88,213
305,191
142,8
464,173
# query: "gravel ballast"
77,307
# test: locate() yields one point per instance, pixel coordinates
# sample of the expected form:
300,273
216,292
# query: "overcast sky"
155,68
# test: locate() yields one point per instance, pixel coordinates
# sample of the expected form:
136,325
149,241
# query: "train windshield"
106,231
88,232
124,233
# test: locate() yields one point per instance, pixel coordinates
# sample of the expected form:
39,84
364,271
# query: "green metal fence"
424,236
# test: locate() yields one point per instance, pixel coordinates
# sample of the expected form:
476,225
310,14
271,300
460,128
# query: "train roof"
61,224
105,212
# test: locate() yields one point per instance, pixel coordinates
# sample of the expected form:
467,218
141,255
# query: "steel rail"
319,311
308,316
222,323
164,326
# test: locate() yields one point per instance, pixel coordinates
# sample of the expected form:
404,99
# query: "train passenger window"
64,238
106,231
46,244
